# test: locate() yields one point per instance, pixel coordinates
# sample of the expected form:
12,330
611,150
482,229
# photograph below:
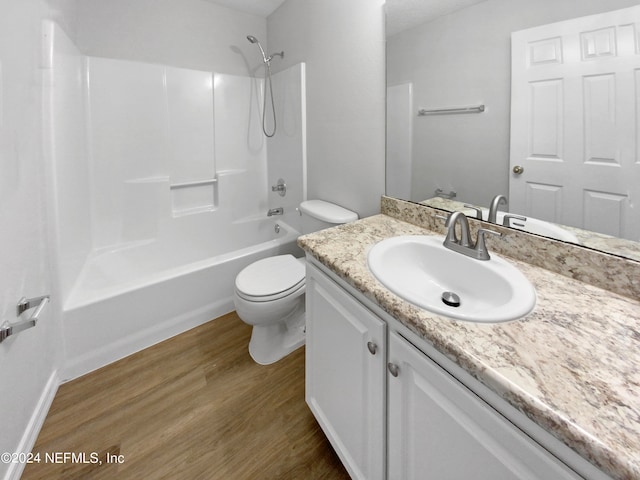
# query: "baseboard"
35,425
124,347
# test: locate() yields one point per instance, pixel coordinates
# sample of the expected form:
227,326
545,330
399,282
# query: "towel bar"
7,329
443,111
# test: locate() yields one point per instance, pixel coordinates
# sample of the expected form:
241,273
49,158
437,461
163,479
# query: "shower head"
267,67
253,39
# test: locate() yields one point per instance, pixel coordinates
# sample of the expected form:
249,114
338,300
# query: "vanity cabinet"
437,428
345,379
392,412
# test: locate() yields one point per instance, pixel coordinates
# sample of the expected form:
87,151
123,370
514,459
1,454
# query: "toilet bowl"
269,293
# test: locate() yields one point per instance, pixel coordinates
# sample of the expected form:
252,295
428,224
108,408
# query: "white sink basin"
420,270
539,227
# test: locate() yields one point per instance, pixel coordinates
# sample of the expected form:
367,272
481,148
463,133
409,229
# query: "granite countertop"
572,365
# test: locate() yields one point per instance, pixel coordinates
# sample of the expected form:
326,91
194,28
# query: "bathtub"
129,298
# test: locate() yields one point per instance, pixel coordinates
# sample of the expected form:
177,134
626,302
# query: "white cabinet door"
438,429
345,365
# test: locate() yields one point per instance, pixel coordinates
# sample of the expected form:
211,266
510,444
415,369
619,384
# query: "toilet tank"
318,215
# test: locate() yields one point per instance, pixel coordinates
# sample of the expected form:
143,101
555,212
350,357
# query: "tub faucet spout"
275,211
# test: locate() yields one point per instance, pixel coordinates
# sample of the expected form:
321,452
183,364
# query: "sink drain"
451,299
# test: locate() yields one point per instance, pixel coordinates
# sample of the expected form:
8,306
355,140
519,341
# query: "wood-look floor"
193,407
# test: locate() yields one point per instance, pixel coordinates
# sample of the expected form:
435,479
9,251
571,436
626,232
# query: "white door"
345,361
574,125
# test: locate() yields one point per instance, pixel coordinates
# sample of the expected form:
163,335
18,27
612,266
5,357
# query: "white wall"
187,33
30,359
461,59
342,44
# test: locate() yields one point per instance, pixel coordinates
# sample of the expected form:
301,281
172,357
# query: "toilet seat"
271,278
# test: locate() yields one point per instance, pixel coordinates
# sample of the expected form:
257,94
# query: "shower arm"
270,57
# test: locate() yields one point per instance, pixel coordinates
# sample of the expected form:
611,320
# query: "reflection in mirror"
568,129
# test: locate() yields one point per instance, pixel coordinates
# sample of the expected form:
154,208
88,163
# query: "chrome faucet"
275,211
495,204
463,245
452,236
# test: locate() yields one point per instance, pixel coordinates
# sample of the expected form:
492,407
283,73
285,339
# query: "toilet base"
270,343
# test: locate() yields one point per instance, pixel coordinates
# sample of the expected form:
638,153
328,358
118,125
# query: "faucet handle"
476,208
481,248
506,220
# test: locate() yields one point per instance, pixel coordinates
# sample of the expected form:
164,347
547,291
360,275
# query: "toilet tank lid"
328,212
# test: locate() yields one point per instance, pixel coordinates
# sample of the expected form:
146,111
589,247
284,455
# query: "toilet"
269,293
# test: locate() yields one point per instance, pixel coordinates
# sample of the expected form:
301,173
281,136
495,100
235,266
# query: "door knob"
518,169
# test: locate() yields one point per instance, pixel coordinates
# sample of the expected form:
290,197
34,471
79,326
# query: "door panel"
574,122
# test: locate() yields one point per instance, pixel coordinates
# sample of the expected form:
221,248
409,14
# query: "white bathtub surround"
172,202
65,150
290,161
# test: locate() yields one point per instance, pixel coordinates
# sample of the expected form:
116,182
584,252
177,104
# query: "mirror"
457,54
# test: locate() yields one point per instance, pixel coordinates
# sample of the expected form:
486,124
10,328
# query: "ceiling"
401,14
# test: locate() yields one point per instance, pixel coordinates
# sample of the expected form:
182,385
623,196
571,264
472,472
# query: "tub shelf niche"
191,197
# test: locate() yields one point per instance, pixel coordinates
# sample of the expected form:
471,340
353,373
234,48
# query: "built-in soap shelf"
186,196
193,196
194,183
